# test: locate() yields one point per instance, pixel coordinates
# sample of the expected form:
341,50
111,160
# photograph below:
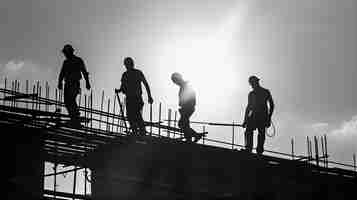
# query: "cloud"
320,127
341,139
13,65
23,70
347,128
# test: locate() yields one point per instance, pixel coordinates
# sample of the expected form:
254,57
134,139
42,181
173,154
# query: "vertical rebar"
85,110
308,148
232,134
292,149
33,97
323,151
46,96
169,122
12,91
37,92
4,102
39,97
175,121
316,150
326,153
204,136
113,118
60,95
101,110
160,119
310,143
91,109
27,91
56,99
108,125
15,93
17,89
354,162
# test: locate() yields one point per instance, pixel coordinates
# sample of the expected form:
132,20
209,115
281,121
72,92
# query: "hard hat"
253,79
176,77
128,61
68,48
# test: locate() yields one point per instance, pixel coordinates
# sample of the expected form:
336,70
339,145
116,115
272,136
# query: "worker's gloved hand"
117,90
244,125
150,100
88,85
268,124
60,86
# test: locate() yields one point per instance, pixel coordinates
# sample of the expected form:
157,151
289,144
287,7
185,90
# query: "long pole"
150,119
122,112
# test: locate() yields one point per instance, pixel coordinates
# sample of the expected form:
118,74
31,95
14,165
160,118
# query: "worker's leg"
139,117
130,114
184,124
248,137
71,91
261,140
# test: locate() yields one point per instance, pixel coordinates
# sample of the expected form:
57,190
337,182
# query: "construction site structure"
159,165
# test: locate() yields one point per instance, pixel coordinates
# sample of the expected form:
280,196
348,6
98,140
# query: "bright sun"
205,63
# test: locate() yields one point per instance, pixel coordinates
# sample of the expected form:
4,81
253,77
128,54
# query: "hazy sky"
304,51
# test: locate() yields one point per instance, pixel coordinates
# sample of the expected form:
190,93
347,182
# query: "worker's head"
128,63
68,50
177,78
253,81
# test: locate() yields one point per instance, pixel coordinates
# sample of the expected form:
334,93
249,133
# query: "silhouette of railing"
35,108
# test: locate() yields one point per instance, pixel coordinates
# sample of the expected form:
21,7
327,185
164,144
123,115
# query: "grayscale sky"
304,51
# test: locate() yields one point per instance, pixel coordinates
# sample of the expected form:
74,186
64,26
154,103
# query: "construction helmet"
253,79
67,49
176,77
128,61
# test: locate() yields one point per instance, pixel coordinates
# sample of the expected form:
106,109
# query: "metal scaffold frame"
39,107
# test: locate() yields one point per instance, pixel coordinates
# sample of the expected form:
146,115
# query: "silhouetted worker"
131,86
72,70
187,103
257,114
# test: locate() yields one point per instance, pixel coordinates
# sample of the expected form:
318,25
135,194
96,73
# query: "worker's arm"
122,85
61,77
147,87
271,106
85,75
247,110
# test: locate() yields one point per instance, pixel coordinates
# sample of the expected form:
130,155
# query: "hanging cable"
271,131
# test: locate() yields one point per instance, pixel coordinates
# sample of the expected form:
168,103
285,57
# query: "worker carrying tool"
257,115
131,86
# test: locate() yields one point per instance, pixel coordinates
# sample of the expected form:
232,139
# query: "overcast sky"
304,51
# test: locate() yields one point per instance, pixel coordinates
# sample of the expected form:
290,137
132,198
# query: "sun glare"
204,63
